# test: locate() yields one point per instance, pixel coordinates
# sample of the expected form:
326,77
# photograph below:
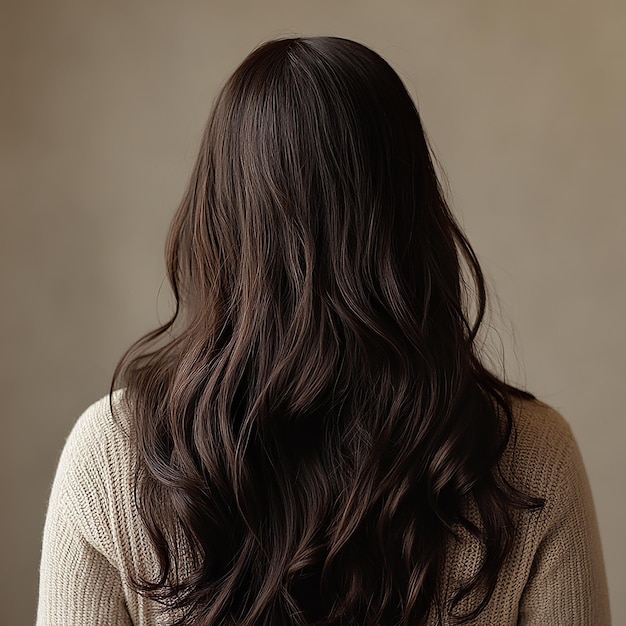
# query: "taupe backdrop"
103,105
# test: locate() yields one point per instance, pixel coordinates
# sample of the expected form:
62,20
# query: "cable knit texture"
93,540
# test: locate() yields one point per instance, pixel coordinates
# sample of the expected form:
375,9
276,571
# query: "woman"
312,438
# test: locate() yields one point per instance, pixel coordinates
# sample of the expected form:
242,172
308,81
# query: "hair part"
316,427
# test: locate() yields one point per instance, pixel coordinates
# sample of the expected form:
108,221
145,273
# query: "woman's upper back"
94,541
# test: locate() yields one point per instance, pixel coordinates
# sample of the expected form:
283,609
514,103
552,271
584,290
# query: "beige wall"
525,103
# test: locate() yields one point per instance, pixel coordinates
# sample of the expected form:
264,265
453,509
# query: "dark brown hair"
315,417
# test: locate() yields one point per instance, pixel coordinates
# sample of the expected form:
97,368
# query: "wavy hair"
315,417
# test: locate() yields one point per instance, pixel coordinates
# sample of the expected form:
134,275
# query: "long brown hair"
315,417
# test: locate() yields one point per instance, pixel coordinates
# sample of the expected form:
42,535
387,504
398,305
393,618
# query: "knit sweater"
93,539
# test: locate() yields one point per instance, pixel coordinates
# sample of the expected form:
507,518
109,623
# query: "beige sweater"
93,540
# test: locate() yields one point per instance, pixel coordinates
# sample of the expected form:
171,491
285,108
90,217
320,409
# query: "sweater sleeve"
567,582
80,582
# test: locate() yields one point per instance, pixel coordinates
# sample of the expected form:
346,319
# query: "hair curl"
315,416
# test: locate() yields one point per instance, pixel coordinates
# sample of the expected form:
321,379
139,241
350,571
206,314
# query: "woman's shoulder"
558,553
92,509
539,427
102,428
95,469
542,453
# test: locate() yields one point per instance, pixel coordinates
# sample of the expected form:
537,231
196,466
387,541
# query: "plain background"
103,106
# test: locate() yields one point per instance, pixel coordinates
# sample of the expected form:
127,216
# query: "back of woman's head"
318,418
314,187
